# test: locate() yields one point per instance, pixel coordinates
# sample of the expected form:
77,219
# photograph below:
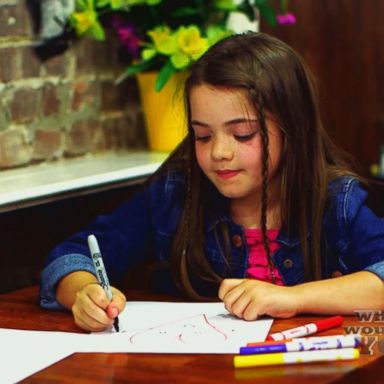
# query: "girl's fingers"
251,312
97,295
240,298
239,305
119,299
88,323
112,310
232,300
226,285
89,311
93,311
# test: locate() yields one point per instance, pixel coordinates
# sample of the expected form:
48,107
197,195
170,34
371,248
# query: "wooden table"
20,309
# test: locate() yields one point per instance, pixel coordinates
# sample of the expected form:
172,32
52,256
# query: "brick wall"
66,106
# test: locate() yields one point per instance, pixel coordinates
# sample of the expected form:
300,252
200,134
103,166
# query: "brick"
82,138
83,51
131,90
14,150
105,55
47,144
113,97
25,104
51,102
136,132
121,132
10,64
111,133
85,94
30,63
4,112
57,65
15,20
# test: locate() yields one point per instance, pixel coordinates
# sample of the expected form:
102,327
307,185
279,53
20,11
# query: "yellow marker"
295,357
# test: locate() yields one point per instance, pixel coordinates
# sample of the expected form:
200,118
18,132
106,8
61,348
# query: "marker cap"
328,323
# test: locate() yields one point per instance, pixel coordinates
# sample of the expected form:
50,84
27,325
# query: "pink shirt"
258,267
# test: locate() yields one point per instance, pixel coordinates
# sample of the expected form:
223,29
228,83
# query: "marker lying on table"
308,329
101,273
304,344
241,361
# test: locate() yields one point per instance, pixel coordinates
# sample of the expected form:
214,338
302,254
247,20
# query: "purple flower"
287,18
126,34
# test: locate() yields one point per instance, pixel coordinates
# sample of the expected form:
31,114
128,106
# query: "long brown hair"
276,81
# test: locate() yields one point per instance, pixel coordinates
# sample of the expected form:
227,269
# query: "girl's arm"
250,299
359,290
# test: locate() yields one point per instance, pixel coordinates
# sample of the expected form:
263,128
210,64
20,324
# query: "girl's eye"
202,138
243,138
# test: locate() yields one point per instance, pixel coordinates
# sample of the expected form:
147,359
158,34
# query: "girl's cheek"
202,153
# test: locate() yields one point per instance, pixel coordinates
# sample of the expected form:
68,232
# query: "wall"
63,107
343,42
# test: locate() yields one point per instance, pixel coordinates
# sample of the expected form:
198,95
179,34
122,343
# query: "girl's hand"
250,299
92,311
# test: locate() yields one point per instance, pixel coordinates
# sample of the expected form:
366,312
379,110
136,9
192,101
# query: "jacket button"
288,263
237,241
336,274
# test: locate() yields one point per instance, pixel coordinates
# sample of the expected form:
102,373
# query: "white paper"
161,327
23,353
146,326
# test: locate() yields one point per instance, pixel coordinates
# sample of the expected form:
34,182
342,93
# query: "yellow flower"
190,42
180,60
82,21
163,40
190,46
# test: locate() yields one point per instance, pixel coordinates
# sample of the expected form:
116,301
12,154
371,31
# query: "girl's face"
228,144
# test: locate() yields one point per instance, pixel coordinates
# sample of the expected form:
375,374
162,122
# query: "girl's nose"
221,149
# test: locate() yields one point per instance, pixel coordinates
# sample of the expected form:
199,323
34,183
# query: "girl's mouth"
227,173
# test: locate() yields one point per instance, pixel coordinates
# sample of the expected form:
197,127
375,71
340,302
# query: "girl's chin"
230,193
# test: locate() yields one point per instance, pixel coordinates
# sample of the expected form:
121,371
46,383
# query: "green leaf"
261,3
268,14
102,3
148,53
82,5
185,11
96,31
224,5
118,4
133,69
164,75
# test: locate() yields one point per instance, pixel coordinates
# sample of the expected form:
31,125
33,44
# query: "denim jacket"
353,238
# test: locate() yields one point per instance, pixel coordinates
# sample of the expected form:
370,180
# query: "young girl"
255,207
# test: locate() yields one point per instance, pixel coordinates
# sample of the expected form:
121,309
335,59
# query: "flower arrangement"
169,35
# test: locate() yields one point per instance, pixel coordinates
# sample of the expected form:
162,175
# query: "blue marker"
304,344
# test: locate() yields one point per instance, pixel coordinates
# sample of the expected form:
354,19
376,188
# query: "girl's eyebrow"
199,123
239,120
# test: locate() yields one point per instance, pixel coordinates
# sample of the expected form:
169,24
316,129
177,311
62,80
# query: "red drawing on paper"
190,330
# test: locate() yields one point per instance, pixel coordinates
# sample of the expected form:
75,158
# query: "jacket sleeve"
124,238
363,245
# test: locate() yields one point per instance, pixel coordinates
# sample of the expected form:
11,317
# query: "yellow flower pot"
164,113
